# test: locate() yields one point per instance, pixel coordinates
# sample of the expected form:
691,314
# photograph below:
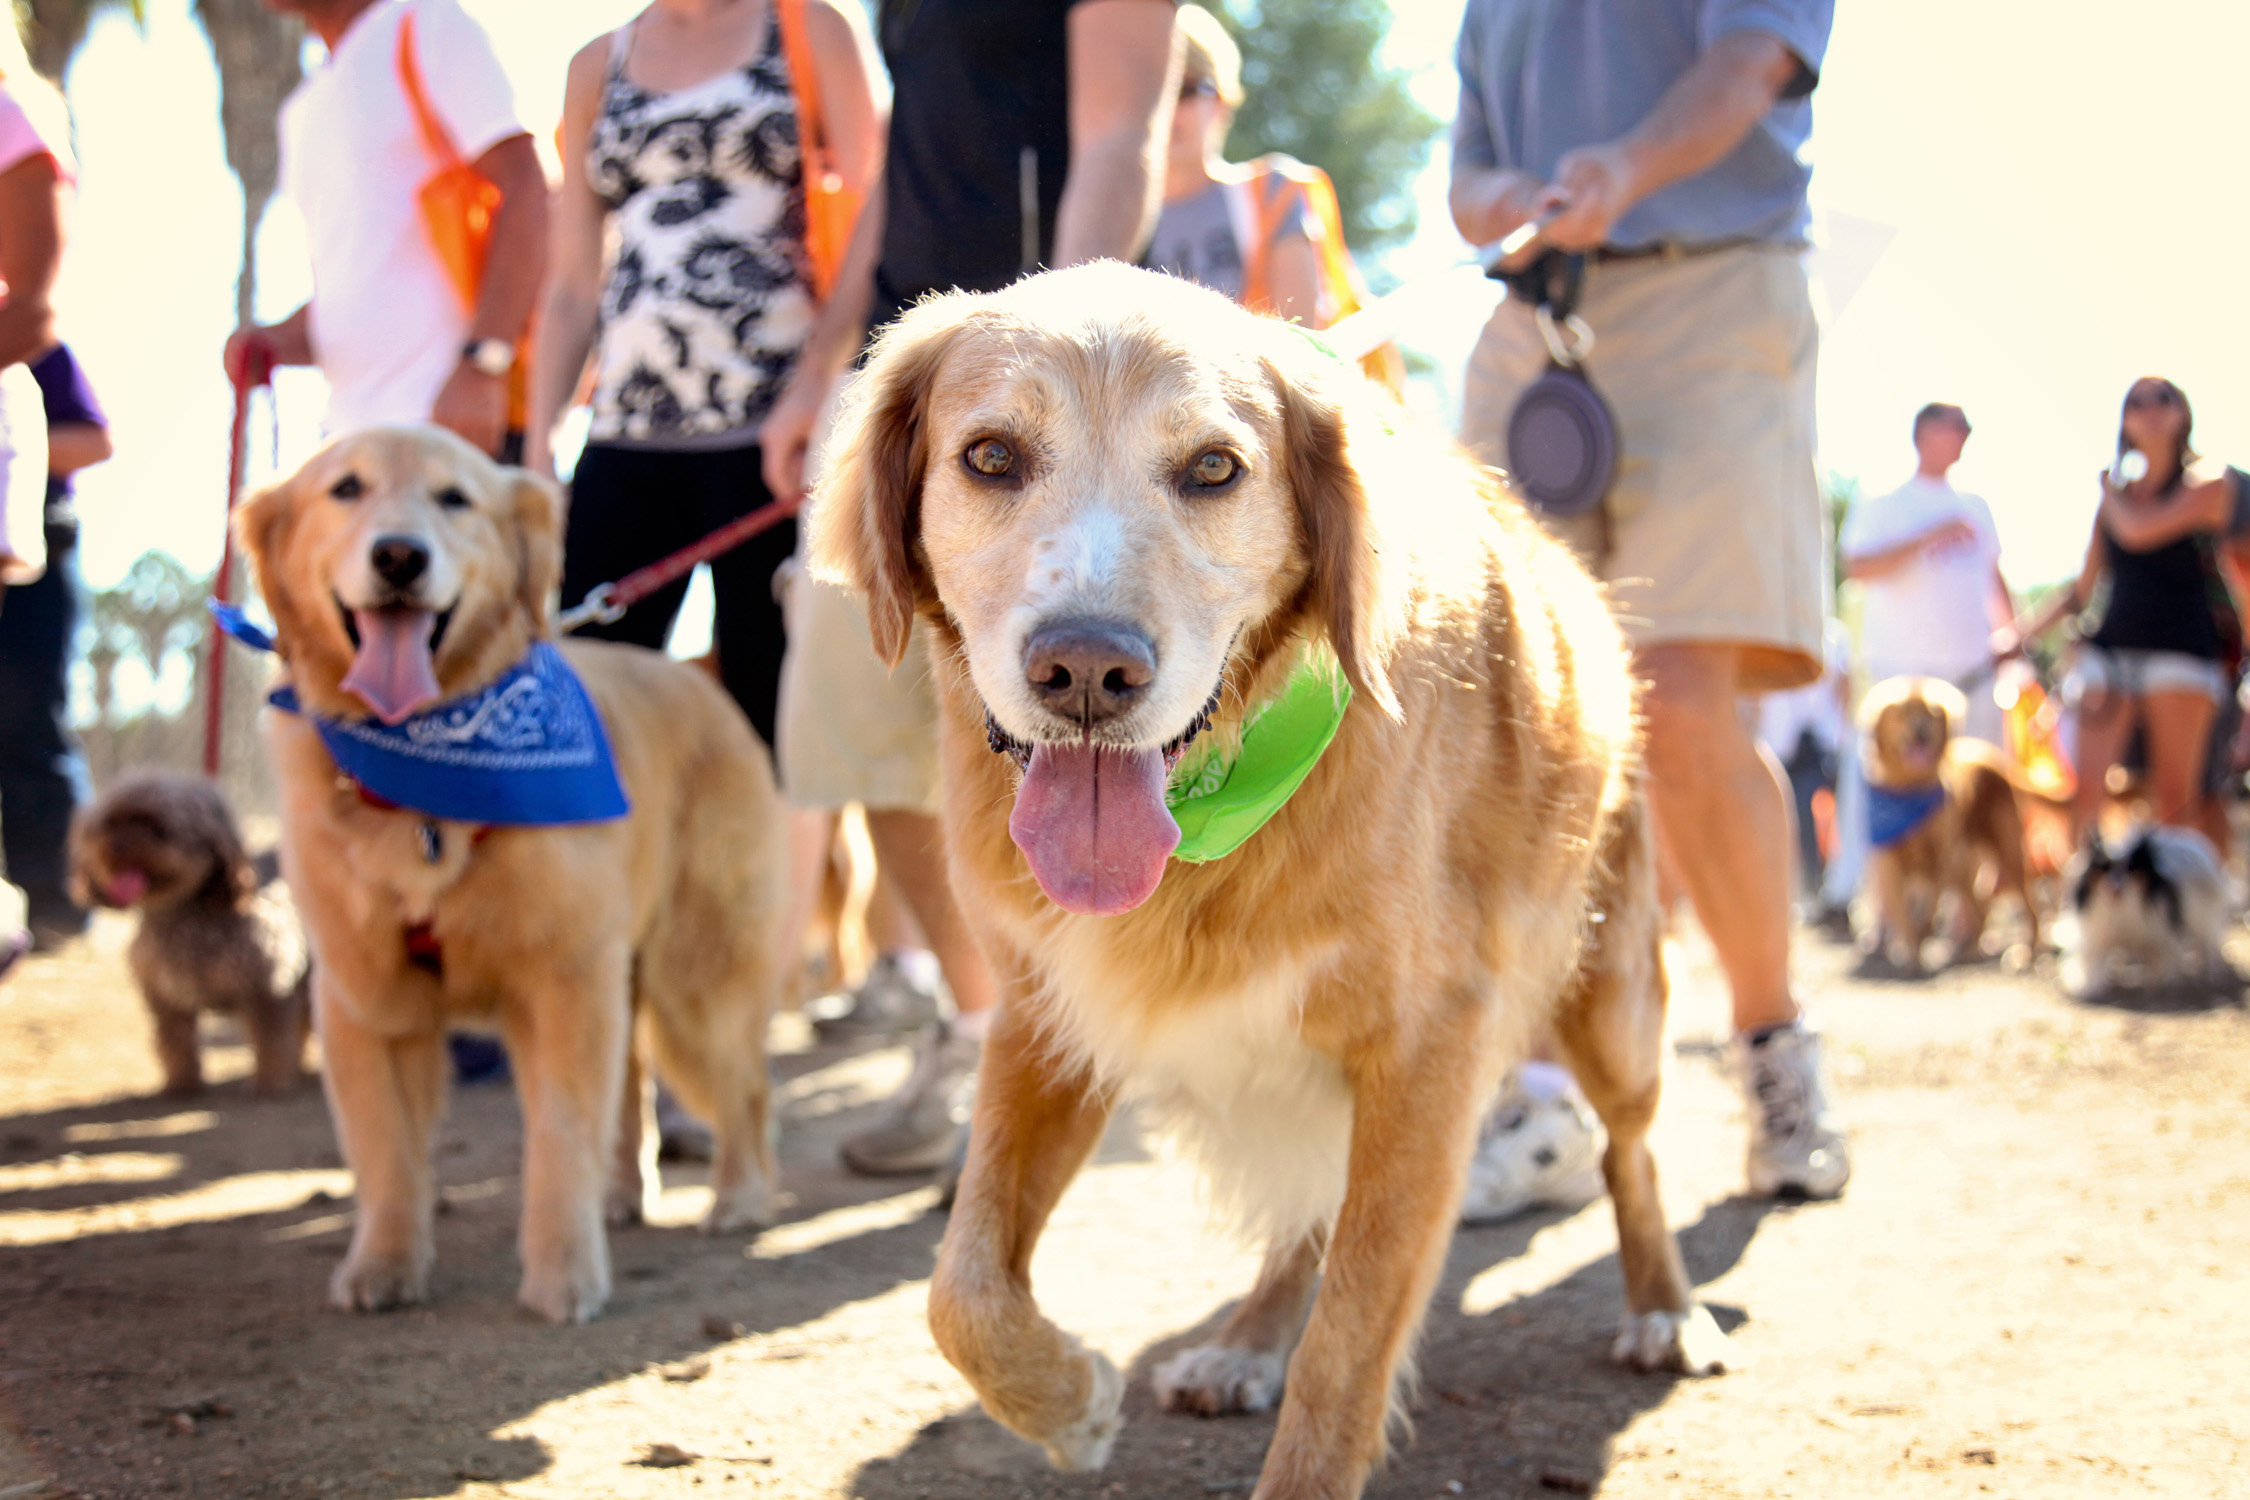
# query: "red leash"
256,370
605,602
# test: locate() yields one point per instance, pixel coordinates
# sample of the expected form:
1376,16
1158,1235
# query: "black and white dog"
2156,901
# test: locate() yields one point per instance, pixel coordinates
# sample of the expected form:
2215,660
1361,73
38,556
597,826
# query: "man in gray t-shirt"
1664,141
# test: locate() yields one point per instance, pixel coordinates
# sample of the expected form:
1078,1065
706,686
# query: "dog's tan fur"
1907,728
1324,1014
211,938
564,937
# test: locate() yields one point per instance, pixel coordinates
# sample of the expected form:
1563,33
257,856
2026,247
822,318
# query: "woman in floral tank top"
679,288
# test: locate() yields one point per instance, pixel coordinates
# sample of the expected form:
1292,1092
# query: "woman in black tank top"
2164,657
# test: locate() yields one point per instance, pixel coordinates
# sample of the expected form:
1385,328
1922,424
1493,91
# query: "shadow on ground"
1519,1401
127,1331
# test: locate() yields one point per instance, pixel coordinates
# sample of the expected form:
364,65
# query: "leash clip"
599,607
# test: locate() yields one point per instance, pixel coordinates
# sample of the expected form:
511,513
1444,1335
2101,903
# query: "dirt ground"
2036,1287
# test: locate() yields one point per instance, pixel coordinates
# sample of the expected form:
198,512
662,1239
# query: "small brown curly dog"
212,936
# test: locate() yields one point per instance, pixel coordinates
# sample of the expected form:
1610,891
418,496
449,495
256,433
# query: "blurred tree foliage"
1315,90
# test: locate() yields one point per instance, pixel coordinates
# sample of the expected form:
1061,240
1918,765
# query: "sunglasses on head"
2160,396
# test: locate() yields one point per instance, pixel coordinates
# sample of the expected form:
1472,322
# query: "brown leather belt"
1668,250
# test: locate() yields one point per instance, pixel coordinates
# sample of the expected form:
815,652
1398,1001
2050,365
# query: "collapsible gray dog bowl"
1562,444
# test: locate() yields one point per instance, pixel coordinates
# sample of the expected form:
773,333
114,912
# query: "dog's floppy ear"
537,505
1346,590
261,527
866,518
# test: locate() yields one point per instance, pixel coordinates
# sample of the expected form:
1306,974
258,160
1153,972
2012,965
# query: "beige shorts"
1714,530
850,729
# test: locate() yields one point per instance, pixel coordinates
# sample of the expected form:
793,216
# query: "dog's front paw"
573,1291
1084,1445
1688,1342
746,1205
1215,1380
377,1283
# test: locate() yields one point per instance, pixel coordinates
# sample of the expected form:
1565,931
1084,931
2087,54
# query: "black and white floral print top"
706,305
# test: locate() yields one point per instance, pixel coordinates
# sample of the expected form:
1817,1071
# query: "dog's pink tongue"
126,887
393,673
1093,824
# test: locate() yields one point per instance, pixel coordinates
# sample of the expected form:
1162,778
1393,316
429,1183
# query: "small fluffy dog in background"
213,935
1944,819
2155,903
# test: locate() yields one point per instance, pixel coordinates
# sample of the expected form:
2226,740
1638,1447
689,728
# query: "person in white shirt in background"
1927,560
385,324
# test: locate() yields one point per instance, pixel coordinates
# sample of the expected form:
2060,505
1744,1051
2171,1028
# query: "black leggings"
630,506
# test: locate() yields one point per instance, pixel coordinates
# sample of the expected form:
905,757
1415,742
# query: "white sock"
973,1025
1541,1082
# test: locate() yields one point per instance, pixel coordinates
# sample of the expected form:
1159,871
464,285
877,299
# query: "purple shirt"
69,398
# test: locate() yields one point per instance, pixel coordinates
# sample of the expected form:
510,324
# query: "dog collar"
1891,816
527,750
1220,795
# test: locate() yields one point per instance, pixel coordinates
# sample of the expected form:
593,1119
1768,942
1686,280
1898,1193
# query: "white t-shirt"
387,324
1932,615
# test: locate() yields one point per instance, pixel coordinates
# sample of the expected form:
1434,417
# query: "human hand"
474,405
2005,644
250,355
1593,187
785,437
1954,533
1504,203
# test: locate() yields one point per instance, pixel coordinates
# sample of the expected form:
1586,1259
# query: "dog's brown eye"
452,499
991,458
348,488
1214,467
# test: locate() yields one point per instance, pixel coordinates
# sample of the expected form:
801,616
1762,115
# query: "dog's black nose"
399,560
1089,671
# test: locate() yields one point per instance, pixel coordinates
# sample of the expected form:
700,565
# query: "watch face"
492,356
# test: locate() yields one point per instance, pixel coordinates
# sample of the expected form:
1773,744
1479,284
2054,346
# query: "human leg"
627,509
747,624
2105,724
2179,736
922,1129
42,776
1724,818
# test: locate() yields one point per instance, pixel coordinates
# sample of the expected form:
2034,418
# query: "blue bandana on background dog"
1891,816
527,750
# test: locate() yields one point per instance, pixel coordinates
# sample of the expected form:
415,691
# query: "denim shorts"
2097,670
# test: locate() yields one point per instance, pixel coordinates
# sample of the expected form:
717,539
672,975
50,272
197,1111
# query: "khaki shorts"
850,729
1714,530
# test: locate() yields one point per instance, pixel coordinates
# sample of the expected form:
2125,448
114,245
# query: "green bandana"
1219,799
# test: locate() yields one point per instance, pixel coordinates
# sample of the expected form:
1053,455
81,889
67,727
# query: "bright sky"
2020,218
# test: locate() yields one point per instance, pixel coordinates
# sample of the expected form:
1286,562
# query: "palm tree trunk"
258,58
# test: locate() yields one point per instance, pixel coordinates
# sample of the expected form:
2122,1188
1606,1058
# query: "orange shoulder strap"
410,76
1272,193
804,77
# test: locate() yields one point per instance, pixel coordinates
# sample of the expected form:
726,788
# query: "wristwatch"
495,357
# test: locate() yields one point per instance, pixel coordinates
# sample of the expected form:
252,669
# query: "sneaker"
15,937
1534,1153
898,997
927,1117
1798,1144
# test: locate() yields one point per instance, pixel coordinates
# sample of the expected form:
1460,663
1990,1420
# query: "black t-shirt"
980,143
